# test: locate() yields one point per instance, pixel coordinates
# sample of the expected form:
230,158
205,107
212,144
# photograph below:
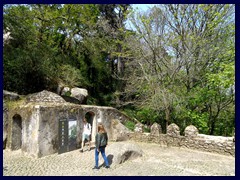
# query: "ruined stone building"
45,124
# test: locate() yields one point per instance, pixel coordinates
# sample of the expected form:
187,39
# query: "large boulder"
156,129
65,91
79,94
6,36
119,131
122,151
191,131
10,95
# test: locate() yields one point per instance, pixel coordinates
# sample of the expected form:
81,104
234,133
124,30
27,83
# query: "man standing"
86,134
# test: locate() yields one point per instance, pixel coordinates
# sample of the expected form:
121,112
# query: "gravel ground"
156,161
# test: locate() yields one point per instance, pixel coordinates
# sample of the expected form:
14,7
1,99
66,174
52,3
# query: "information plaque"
63,135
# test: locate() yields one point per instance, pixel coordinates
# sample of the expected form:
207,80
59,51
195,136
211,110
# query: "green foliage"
68,93
71,76
200,120
130,125
92,101
184,64
223,78
57,43
146,116
15,104
176,65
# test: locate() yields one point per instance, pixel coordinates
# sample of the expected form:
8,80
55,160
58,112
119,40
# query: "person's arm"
90,127
106,138
83,129
97,141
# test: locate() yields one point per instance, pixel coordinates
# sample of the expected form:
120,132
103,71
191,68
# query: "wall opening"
16,132
72,134
91,118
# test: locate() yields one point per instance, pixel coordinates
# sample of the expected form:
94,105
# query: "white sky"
142,7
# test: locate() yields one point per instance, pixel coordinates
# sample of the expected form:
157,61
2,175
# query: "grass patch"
14,104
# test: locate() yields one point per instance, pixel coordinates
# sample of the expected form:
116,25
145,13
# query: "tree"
54,44
26,62
153,77
115,15
179,49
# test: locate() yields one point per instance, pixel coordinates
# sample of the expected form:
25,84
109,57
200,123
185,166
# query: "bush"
130,125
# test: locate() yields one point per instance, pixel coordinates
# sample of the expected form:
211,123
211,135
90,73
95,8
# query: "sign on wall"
72,134
63,136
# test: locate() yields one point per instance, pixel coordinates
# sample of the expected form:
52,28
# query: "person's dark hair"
101,128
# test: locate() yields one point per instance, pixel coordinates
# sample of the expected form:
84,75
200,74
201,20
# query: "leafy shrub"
130,125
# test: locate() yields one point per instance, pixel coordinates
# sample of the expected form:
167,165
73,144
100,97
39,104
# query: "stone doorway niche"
72,134
91,118
16,132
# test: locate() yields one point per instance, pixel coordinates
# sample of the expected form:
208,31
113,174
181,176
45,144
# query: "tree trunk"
167,111
212,127
120,67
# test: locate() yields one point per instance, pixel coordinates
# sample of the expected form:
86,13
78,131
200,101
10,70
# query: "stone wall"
5,124
213,144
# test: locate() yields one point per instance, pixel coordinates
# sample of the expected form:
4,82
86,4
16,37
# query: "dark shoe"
81,150
97,168
107,167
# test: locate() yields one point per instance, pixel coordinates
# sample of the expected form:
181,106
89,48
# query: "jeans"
102,150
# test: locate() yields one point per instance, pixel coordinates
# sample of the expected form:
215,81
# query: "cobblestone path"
156,161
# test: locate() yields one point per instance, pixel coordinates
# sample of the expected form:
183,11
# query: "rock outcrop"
10,96
119,131
120,152
69,94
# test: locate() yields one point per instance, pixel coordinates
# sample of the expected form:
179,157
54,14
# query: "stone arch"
91,118
16,138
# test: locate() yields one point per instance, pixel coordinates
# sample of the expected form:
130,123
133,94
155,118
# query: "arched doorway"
16,132
91,118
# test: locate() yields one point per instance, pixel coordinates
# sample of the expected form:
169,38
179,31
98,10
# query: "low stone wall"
213,144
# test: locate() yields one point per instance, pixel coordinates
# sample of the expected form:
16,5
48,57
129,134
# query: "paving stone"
156,161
